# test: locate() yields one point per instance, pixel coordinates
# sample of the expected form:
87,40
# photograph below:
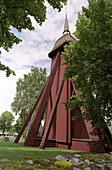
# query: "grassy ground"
15,157
18,151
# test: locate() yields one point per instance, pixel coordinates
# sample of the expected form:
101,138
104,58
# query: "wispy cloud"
34,48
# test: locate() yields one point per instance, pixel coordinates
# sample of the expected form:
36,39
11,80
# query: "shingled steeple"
66,38
66,26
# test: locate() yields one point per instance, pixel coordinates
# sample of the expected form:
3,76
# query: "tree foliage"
27,91
18,124
6,119
17,14
7,69
90,62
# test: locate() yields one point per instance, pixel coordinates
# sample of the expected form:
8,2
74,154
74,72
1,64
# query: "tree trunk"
3,132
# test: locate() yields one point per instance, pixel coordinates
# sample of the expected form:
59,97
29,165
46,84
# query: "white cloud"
8,89
34,49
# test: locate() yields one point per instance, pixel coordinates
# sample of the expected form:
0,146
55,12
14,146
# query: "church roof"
64,39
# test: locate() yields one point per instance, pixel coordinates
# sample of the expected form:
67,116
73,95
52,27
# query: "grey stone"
29,162
90,158
74,163
6,139
70,161
39,164
4,160
91,163
77,156
75,159
87,168
46,160
109,166
81,163
97,167
87,162
99,160
61,157
106,154
26,162
68,157
76,168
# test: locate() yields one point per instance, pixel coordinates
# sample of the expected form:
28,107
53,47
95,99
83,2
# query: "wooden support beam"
46,115
51,103
49,123
30,139
29,116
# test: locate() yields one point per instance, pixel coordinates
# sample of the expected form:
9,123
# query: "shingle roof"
64,39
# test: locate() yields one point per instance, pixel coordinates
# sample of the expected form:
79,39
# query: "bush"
63,164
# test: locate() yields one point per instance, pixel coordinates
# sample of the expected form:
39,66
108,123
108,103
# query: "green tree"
17,14
27,91
6,119
12,130
89,61
18,124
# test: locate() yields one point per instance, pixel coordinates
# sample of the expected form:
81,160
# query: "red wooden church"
59,129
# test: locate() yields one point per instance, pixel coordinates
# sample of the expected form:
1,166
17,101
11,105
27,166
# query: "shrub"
64,164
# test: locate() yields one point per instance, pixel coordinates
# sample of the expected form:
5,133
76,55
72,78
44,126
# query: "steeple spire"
66,26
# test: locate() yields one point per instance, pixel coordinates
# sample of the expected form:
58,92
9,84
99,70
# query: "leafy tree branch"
89,62
16,13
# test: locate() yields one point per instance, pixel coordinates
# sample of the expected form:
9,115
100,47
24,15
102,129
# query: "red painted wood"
62,114
69,91
49,123
29,116
81,146
39,113
61,119
54,89
62,128
63,146
78,128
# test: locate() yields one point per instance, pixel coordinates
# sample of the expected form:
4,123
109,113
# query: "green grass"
9,150
17,154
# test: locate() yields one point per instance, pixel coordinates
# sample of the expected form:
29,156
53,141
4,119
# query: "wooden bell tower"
59,129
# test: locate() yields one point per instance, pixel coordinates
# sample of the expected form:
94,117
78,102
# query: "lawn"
16,157
9,150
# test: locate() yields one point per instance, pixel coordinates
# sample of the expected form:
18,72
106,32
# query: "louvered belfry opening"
60,129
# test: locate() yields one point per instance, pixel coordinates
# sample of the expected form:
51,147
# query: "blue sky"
34,48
